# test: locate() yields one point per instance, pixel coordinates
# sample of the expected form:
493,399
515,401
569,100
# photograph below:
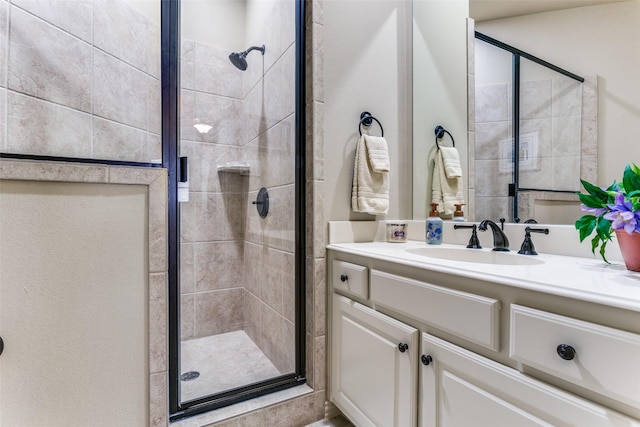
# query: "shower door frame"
170,35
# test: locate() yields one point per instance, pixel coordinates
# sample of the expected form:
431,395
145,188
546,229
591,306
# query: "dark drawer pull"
403,347
426,359
566,352
344,277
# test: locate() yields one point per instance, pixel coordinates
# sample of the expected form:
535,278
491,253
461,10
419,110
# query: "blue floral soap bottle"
434,226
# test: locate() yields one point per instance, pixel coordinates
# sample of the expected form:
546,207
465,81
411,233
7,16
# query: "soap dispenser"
434,226
458,215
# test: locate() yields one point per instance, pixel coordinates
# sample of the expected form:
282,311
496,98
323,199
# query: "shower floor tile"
224,361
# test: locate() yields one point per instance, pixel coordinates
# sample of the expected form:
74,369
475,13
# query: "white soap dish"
241,168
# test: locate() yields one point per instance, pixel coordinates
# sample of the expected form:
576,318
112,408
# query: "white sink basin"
477,256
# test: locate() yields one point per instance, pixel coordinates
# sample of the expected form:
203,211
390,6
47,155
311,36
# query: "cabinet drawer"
472,317
606,360
350,278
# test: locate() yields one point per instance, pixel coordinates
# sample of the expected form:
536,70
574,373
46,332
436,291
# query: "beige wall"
72,255
366,69
597,40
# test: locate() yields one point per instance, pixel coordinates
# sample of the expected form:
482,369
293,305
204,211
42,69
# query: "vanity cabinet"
410,352
459,388
374,370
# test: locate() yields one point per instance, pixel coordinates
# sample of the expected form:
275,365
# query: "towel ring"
440,131
366,120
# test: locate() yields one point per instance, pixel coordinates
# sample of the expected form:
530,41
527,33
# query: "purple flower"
594,211
623,216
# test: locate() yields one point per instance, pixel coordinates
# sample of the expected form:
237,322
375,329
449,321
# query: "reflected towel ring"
366,120
440,131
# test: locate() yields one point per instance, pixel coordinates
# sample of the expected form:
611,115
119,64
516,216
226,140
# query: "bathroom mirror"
591,38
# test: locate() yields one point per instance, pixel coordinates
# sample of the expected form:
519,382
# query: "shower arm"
260,48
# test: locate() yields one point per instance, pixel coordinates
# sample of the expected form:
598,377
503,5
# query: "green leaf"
585,225
592,201
631,179
603,229
595,191
602,248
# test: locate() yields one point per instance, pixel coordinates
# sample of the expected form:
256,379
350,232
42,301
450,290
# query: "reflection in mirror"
527,106
593,38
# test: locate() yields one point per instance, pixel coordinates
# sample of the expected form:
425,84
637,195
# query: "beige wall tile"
215,75
218,312
40,127
113,21
187,316
157,322
72,16
120,91
39,58
114,141
217,265
4,15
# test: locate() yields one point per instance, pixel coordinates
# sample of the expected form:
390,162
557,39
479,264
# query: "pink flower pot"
630,249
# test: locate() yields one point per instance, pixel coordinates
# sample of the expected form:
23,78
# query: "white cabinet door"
373,366
460,389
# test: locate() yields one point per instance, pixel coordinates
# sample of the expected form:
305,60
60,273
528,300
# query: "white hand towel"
446,192
378,153
451,160
370,190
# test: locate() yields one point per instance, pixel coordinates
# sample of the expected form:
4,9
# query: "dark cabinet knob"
1,345
566,352
426,359
403,347
344,277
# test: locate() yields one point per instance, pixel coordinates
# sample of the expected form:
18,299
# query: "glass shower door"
237,257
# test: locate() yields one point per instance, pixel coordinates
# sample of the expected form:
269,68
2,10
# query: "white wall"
599,40
365,69
439,88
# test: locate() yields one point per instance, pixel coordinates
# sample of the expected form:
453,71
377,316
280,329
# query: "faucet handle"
527,247
474,242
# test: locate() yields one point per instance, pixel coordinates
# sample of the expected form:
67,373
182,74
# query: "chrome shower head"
239,59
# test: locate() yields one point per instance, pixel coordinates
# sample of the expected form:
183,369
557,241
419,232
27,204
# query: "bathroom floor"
224,361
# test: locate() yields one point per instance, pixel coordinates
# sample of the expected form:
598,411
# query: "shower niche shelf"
240,168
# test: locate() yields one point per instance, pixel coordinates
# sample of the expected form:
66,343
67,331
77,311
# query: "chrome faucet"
500,240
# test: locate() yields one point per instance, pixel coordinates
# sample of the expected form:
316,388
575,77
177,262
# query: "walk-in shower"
239,59
236,322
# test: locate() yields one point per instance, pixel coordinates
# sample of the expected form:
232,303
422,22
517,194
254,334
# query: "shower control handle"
403,347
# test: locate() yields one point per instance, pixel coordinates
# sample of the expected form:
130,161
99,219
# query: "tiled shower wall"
237,268
79,78
560,112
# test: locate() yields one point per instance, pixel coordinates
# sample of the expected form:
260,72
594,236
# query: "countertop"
579,278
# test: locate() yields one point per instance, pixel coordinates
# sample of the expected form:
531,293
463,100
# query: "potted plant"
614,209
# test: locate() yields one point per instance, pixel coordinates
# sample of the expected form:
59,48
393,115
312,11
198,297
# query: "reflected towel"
370,189
451,160
446,192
